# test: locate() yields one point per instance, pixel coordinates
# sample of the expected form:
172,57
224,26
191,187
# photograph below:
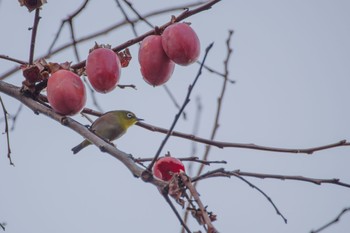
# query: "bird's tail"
80,146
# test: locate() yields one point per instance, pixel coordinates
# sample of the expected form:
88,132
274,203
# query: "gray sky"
291,67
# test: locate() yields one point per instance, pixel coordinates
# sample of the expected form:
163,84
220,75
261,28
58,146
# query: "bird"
110,126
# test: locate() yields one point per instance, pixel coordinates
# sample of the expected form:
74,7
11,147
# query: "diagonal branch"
38,108
264,194
126,17
203,212
69,19
166,197
138,14
7,132
333,221
220,100
187,100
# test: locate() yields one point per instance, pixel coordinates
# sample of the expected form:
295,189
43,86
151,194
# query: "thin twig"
167,90
72,33
222,173
15,117
68,19
197,120
298,178
219,101
252,146
332,222
203,213
123,86
166,197
34,31
211,70
6,57
7,132
187,100
93,95
265,195
126,17
138,14
191,159
2,225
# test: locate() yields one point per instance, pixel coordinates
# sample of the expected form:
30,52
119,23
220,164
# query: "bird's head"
127,118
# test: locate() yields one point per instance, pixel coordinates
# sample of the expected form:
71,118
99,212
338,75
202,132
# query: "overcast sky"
291,67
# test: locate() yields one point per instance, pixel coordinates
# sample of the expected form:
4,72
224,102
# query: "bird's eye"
129,115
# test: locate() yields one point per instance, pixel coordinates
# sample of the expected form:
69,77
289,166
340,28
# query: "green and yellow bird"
110,126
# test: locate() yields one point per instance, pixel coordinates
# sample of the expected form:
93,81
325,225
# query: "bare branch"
203,212
173,100
222,173
138,14
2,226
5,57
68,19
132,24
166,197
15,117
220,99
332,222
34,31
222,145
187,100
264,194
299,178
252,146
190,159
74,41
7,132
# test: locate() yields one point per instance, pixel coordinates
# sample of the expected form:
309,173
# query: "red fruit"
103,69
156,67
66,92
165,167
181,44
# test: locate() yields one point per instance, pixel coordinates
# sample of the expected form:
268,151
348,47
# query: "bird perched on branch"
110,126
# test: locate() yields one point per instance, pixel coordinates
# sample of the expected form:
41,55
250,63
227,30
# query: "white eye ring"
129,115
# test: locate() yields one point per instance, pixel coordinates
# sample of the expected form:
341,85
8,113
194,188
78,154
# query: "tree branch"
252,146
222,173
182,16
38,108
219,101
7,132
96,34
332,222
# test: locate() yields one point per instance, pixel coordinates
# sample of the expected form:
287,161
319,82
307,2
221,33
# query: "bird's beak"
139,119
